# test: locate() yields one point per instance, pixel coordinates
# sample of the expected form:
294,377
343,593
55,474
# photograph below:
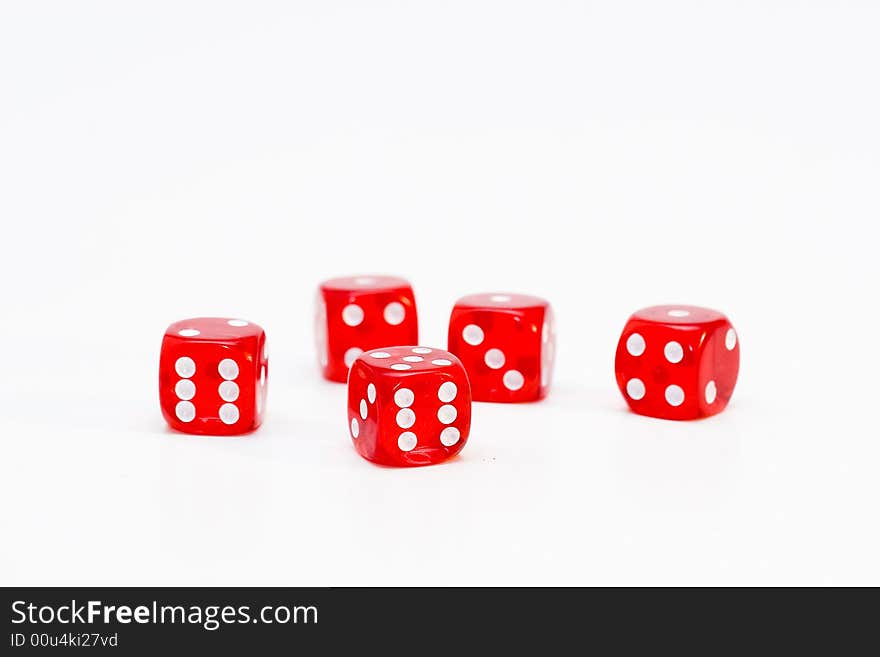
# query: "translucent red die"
507,344
408,405
213,376
677,362
357,313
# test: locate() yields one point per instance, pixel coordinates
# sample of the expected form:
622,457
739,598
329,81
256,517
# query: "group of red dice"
411,405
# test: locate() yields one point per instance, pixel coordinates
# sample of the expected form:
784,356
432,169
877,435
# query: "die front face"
408,406
213,376
358,313
507,344
677,362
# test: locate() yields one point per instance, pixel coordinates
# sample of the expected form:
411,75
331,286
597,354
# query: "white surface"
179,159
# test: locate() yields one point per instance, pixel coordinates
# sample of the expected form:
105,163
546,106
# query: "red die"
357,313
212,376
408,405
507,343
677,362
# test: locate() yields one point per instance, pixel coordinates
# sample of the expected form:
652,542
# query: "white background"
166,160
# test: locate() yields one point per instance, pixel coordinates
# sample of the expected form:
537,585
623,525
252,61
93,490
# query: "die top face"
213,376
358,313
364,283
681,315
677,362
409,360
214,329
501,301
408,406
507,344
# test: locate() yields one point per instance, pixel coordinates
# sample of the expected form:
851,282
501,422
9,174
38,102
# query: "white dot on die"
421,350
185,389
401,366
185,367
237,322
405,418
185,411
413,359
673,352
635,388
355,428
371,393
500,298
635,344
352,314
674,395
472,334
380,354
513,380
678,313
394,313
407,441
188,333
404,397
730,339
447,391
228,369
229,414
363,409
441,362
447,414
494,358
228,391
351,355
364,280
449,436
711,392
